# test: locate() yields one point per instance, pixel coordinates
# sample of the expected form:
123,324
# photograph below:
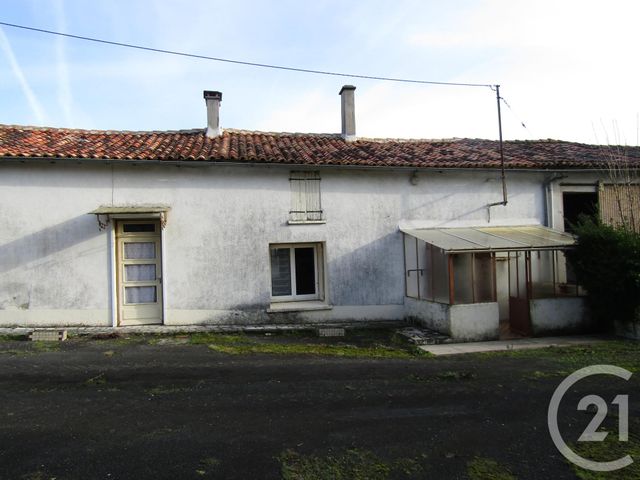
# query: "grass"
12,338
336,350
611,449
481,468
622,353
30,348
353,464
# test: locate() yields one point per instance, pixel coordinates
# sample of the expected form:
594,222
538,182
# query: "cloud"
34,104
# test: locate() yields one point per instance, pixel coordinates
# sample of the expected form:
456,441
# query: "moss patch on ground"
611,449
352,464
247,344
31,348
481,468
12,338
310,349
623,353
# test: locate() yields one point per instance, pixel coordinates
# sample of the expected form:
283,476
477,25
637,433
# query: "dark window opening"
138,227
305,271
577,204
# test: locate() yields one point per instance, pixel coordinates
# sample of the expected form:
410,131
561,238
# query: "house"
212,226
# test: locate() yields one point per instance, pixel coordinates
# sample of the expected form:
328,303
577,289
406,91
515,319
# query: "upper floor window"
306,206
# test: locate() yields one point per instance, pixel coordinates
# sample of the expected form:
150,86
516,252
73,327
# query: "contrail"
36,108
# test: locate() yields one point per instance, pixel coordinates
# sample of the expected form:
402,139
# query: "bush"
606,261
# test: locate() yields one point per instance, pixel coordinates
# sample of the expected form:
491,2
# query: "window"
305,197
296,272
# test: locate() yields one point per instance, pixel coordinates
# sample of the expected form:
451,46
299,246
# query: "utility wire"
504,100
241,62
513,112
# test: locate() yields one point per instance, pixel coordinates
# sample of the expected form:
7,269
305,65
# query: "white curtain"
137,273
140,294
139,250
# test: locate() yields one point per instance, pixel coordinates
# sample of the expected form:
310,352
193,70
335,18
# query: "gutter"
205,163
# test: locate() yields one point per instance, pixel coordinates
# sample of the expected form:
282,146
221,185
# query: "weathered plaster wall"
467,322
54,263
475,322
432,315
558,315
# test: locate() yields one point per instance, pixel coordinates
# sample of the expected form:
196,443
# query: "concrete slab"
516,344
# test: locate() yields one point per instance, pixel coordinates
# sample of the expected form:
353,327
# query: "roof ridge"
239,131
98,131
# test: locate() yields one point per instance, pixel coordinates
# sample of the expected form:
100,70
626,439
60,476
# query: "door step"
422,336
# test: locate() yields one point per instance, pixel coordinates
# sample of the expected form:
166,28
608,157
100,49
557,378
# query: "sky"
567,69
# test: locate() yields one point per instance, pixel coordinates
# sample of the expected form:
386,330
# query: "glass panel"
462,277
411,261
139,250
305,271
280,272
139,227
542,274
483,277
140,294
136,273
440,276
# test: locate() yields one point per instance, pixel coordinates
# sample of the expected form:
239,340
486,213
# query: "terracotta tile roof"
298,149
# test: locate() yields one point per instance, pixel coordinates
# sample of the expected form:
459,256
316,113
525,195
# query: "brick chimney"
348,112
213,100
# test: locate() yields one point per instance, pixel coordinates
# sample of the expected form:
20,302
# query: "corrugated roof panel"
459,240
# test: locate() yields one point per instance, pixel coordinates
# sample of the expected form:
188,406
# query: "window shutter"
298,207
620,205
314,208
305,196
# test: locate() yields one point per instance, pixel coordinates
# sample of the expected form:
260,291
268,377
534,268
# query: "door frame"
116,314
519,304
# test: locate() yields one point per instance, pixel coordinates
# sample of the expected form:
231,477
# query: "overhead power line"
242,62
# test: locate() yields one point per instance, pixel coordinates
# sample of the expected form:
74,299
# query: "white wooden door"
139,274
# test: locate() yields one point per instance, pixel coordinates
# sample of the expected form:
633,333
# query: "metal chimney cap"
212,95
346,87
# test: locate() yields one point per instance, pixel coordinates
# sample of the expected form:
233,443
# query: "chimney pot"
348,112
213,100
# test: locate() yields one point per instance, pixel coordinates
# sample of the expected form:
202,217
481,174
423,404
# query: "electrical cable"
241,62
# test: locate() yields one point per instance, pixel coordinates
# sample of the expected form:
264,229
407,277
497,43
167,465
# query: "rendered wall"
432,315
55,263
558,315
475,321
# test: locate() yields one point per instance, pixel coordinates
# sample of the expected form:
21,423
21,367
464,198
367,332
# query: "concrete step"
422,336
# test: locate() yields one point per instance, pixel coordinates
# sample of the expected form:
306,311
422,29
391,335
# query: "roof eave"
222,163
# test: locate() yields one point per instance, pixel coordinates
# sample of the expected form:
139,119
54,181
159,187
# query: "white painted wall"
54,262
475,321
465,322
432,315
551,316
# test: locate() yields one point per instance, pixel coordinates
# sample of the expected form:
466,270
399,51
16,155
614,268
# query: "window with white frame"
296,272
306,206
